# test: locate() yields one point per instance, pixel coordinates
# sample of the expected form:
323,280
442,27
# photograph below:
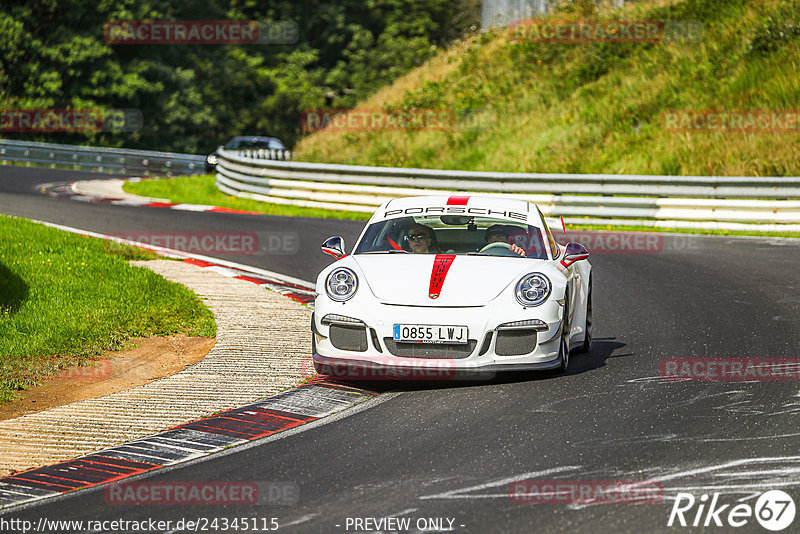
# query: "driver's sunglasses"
412,237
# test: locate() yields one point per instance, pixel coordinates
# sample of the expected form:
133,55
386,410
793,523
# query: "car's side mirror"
574,252
335,247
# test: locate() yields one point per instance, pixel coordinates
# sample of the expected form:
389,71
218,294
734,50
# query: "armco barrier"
108,160
115,160
765,204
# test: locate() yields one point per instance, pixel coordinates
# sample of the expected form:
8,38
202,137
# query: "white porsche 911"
439,287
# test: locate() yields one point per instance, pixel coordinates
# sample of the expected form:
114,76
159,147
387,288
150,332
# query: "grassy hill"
598,107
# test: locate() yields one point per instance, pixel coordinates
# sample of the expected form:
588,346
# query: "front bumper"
376,356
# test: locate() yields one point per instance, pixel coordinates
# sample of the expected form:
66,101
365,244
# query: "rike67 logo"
774,510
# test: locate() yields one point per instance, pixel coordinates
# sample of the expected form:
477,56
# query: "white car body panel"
408,280
478,292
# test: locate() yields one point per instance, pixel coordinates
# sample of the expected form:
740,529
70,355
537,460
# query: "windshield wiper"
495,255
385,252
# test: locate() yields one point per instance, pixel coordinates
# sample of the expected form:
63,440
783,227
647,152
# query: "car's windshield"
453,234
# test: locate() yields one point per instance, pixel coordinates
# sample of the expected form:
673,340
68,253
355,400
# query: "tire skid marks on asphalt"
297,406
467,493
298,521
735,401
743,477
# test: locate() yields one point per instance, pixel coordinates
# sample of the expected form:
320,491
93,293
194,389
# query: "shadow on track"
602,349
13,291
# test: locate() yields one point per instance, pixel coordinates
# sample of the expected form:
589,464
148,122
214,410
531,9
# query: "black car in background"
243,142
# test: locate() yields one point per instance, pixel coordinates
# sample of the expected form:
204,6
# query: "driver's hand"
518,249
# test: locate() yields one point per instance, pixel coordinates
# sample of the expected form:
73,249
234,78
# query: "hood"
405,279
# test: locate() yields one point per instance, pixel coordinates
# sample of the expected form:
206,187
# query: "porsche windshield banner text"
456,210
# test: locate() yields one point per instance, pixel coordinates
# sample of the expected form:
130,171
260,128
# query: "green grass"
594,108
598,107
203,190
65,298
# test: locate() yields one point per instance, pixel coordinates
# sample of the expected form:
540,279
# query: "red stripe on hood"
457,200
441,265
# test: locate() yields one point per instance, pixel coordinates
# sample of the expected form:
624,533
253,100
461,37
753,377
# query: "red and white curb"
294,288
298,406
67,190
289,409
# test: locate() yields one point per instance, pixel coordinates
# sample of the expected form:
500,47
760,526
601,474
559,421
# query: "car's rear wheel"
587,340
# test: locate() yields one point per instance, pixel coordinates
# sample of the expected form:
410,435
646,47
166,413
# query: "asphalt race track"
449,451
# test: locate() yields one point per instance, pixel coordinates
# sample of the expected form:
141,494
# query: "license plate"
430,333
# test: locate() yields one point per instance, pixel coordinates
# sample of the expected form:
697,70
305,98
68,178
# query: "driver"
499,233
421,239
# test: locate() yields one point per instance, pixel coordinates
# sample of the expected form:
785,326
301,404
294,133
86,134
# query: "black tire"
587,340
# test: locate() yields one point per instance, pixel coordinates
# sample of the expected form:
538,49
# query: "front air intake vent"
434,351
351,338
515,342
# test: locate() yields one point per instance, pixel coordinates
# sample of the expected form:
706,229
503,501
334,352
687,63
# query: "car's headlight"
212,159
342,284
533,289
